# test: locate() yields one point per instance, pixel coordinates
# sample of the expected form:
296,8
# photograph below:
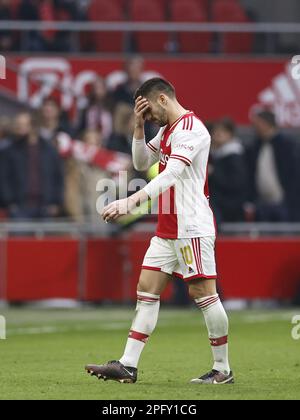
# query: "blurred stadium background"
66,122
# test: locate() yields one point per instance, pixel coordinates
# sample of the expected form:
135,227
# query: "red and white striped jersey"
184,210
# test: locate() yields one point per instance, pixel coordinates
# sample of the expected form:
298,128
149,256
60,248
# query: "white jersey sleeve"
145,155
186,145
165,179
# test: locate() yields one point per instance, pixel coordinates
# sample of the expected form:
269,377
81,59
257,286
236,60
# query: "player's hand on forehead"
141,105
141,101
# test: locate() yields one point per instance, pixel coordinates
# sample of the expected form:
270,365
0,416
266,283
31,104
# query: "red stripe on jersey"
138,336
167,221
151,147
178,120
192,122
216,342
182,158
185,118
186,123
196,255
175,123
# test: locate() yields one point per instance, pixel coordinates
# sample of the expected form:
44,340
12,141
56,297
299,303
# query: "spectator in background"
46,10
30,40
5,127
71,9
81,181
68,10
121,138
124,93
134,68
33,178
51,120
227,173
273,168
6,37
95,114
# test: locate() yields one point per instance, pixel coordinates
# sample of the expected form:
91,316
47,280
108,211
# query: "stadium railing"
261,27
267,28
41,229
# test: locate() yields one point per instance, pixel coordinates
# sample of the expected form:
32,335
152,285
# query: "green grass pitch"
45,352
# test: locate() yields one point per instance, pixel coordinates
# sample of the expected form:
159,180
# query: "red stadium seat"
191,11
231,11
15,7
149,11
107,11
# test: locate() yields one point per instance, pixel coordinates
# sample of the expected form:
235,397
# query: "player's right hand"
141,106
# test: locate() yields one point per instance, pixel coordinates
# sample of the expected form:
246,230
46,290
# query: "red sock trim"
147,299
216,342
207,302
138,336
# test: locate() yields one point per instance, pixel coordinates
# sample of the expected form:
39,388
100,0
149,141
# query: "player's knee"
145,286
201,289
195,291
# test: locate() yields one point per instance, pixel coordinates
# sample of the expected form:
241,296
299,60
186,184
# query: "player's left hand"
116,209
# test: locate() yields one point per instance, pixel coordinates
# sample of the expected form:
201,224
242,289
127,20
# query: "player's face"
156,113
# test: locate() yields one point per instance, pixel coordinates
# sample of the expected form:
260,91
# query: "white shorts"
185,258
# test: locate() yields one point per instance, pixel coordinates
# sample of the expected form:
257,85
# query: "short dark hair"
155,85
268,116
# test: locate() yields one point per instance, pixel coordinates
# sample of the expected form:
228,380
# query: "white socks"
143,325
217,325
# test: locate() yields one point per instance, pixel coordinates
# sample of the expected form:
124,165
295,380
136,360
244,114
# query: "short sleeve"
185,145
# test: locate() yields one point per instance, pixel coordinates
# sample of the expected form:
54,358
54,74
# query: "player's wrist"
139,124
136,199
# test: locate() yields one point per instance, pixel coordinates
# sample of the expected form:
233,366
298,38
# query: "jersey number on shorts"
187,255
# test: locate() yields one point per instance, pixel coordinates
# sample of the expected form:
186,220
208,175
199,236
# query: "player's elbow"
140,166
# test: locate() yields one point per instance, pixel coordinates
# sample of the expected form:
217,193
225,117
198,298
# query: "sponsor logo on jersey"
183,146
164,158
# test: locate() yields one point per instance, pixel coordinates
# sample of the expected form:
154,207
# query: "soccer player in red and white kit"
184,244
